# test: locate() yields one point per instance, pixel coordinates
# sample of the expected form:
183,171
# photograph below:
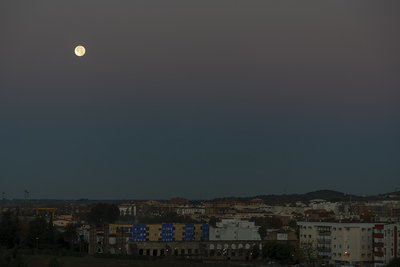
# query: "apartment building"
386,246
339,243
163,232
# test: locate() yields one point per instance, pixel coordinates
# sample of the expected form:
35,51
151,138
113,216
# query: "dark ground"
43,261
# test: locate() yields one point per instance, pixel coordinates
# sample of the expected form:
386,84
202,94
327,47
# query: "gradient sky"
198,99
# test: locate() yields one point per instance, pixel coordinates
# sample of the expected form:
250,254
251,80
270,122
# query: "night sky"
198,99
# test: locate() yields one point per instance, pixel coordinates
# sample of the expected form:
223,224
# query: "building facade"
386,246
163,232
234,230
339,243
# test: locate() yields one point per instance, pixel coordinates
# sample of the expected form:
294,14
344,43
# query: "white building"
339,243
386,246
127,209
188,210
234,230
317,204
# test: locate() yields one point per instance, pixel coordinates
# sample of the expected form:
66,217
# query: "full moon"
80,50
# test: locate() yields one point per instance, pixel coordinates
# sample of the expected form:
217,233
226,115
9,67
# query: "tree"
268,251
283,253
12,258
276,222
54,263
213,221
308,252
70,235
103,213
293,224
9,228
262,231
394,263
276,251
255,252
40,233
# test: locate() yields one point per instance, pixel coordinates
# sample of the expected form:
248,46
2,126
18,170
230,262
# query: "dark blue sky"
198,99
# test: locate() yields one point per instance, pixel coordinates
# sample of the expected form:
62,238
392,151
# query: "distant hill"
328,195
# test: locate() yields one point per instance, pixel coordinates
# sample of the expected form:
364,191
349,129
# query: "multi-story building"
163,232
339,243
234,230
386,247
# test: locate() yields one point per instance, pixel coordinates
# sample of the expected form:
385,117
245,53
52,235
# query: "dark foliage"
279,252
213,221
9,228
394,263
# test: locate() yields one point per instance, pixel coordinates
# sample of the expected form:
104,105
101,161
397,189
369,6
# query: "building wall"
163,232
221,250
167,230
234,230
341,243
352,243
139,232
386,246
153,232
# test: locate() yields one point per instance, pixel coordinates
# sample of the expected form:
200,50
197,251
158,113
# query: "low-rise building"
234,230
127,209
281,235
190,210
